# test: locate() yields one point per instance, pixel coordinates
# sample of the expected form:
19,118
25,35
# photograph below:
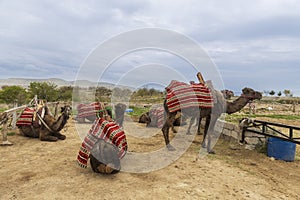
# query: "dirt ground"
31,169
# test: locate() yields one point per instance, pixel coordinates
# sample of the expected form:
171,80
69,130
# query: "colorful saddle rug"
108,131
87,110
181,95
26,118
157,116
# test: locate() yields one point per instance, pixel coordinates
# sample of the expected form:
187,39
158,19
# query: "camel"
49,130
97,110
119,112
152,121
105,145
211,114
92,111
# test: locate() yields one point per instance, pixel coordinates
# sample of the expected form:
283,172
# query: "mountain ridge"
25,82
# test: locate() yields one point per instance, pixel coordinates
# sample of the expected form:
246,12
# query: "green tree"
44,90
65,93
279,93
10,94
287,93
272,92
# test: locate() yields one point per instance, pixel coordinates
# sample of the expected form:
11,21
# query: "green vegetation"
137,111
12,94
11,133
44,90
236,117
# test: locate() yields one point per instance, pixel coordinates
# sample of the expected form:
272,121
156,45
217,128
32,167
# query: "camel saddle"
182,95
107,131
87,110
157,116
28,117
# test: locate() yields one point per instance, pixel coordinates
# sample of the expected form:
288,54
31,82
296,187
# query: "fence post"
14,119
5,142
56,111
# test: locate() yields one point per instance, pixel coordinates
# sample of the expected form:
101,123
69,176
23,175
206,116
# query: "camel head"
66,111
251,94
120,108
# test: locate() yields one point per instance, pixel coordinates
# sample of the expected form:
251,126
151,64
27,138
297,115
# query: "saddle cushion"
87,110
26,118
181,95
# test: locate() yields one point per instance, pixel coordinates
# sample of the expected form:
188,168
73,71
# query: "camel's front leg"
45,135
59,136
199,126
210,132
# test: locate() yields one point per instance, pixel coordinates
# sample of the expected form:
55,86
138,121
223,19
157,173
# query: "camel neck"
236,105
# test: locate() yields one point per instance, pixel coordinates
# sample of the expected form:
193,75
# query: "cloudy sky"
252,43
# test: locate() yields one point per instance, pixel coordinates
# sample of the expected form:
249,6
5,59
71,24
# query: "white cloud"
59,34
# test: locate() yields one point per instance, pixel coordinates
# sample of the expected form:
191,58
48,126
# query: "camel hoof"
170,147
62,137
50,139
211,152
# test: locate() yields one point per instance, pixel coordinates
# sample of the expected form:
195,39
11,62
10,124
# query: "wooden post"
56,110
5,142
14,120
200,78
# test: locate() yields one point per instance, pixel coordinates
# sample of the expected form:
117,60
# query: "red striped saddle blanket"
182,95
28,117
110,132
87,110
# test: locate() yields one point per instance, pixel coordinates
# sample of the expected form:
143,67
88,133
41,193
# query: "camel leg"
210,133
173,128
190,125
199,126
165,129
59,136
45,136
207,122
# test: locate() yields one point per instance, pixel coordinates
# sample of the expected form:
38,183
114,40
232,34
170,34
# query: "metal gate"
269,129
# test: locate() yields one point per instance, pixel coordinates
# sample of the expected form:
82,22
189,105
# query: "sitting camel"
119,112
210,113
50,127
105,145
156,118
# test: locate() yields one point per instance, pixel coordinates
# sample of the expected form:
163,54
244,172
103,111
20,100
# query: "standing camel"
50,128
211,114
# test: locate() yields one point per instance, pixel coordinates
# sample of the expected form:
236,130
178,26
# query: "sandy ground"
31,169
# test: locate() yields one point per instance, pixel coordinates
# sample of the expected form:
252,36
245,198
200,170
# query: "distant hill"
24,82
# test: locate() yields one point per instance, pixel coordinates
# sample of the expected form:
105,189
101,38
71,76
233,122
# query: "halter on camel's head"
67,110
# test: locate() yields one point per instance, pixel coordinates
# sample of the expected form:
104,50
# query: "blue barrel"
281,149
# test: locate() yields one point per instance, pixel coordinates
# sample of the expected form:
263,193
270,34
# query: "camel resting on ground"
50,131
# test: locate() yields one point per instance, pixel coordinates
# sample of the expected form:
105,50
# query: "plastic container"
129,110
281,149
